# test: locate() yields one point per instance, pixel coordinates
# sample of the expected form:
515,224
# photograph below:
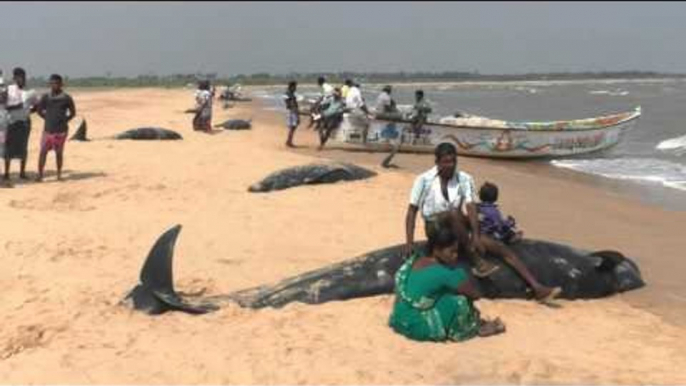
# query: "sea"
649,162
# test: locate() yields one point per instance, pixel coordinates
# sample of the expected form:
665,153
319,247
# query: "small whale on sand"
149,133
311,174
236,124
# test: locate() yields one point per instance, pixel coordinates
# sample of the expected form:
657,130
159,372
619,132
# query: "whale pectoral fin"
174,302
609,259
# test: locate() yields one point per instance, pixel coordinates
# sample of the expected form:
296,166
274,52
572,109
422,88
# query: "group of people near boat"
327,111
17,104
434,299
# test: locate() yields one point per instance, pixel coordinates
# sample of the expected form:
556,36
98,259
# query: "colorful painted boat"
483,137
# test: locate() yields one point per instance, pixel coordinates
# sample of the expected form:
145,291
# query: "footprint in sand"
28,337
60,202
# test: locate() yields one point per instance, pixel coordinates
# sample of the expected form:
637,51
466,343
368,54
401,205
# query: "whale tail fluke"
80,134
155,293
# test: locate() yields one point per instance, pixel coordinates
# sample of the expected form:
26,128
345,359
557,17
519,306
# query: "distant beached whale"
149,133
144,133
311,174
236,124
581,275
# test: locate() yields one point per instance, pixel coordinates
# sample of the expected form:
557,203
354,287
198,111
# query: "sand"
72,249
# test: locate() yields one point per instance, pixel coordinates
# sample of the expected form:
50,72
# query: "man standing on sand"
202,120
442,194
293,119
19,108
57,108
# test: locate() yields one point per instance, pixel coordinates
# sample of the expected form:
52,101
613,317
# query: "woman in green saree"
434,301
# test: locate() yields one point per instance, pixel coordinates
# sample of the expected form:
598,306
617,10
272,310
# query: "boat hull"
541,140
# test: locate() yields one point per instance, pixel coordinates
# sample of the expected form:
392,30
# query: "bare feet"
492,327
517,237
483,268
544,294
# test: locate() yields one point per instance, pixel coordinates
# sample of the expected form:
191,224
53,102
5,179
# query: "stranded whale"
581,274
236,124
311,174
149,133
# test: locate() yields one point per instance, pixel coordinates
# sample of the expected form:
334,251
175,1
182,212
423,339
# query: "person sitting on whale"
443,193
491,221
434,300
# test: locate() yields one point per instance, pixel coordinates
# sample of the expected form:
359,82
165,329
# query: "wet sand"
72,249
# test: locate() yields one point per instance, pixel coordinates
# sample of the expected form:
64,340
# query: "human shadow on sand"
51,177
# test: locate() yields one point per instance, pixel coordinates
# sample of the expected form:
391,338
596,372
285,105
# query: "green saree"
428,309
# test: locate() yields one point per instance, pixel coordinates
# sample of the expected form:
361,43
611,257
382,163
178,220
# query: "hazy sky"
79,39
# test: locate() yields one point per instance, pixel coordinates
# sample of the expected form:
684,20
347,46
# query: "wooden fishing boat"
484,137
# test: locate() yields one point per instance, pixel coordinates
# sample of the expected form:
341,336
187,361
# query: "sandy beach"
72,249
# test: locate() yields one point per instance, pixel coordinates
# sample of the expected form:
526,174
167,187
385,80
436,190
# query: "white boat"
484,137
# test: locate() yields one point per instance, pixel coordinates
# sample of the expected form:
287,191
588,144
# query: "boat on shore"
484,137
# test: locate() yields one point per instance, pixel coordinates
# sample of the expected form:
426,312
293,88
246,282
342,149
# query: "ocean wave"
530,90
649,170
617,92
673,144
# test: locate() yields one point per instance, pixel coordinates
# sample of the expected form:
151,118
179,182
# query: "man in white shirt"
327,89
354,100
384,102
443,194
321,103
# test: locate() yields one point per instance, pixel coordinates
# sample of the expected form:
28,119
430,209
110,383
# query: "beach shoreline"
73,249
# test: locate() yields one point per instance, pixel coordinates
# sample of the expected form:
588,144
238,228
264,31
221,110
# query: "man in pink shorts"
57,109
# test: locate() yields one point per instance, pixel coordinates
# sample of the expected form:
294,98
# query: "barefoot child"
57,108
491,220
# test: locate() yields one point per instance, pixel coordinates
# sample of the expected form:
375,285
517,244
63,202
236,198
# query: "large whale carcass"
581,275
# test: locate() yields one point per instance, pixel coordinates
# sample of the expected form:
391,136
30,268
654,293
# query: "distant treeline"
181,80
